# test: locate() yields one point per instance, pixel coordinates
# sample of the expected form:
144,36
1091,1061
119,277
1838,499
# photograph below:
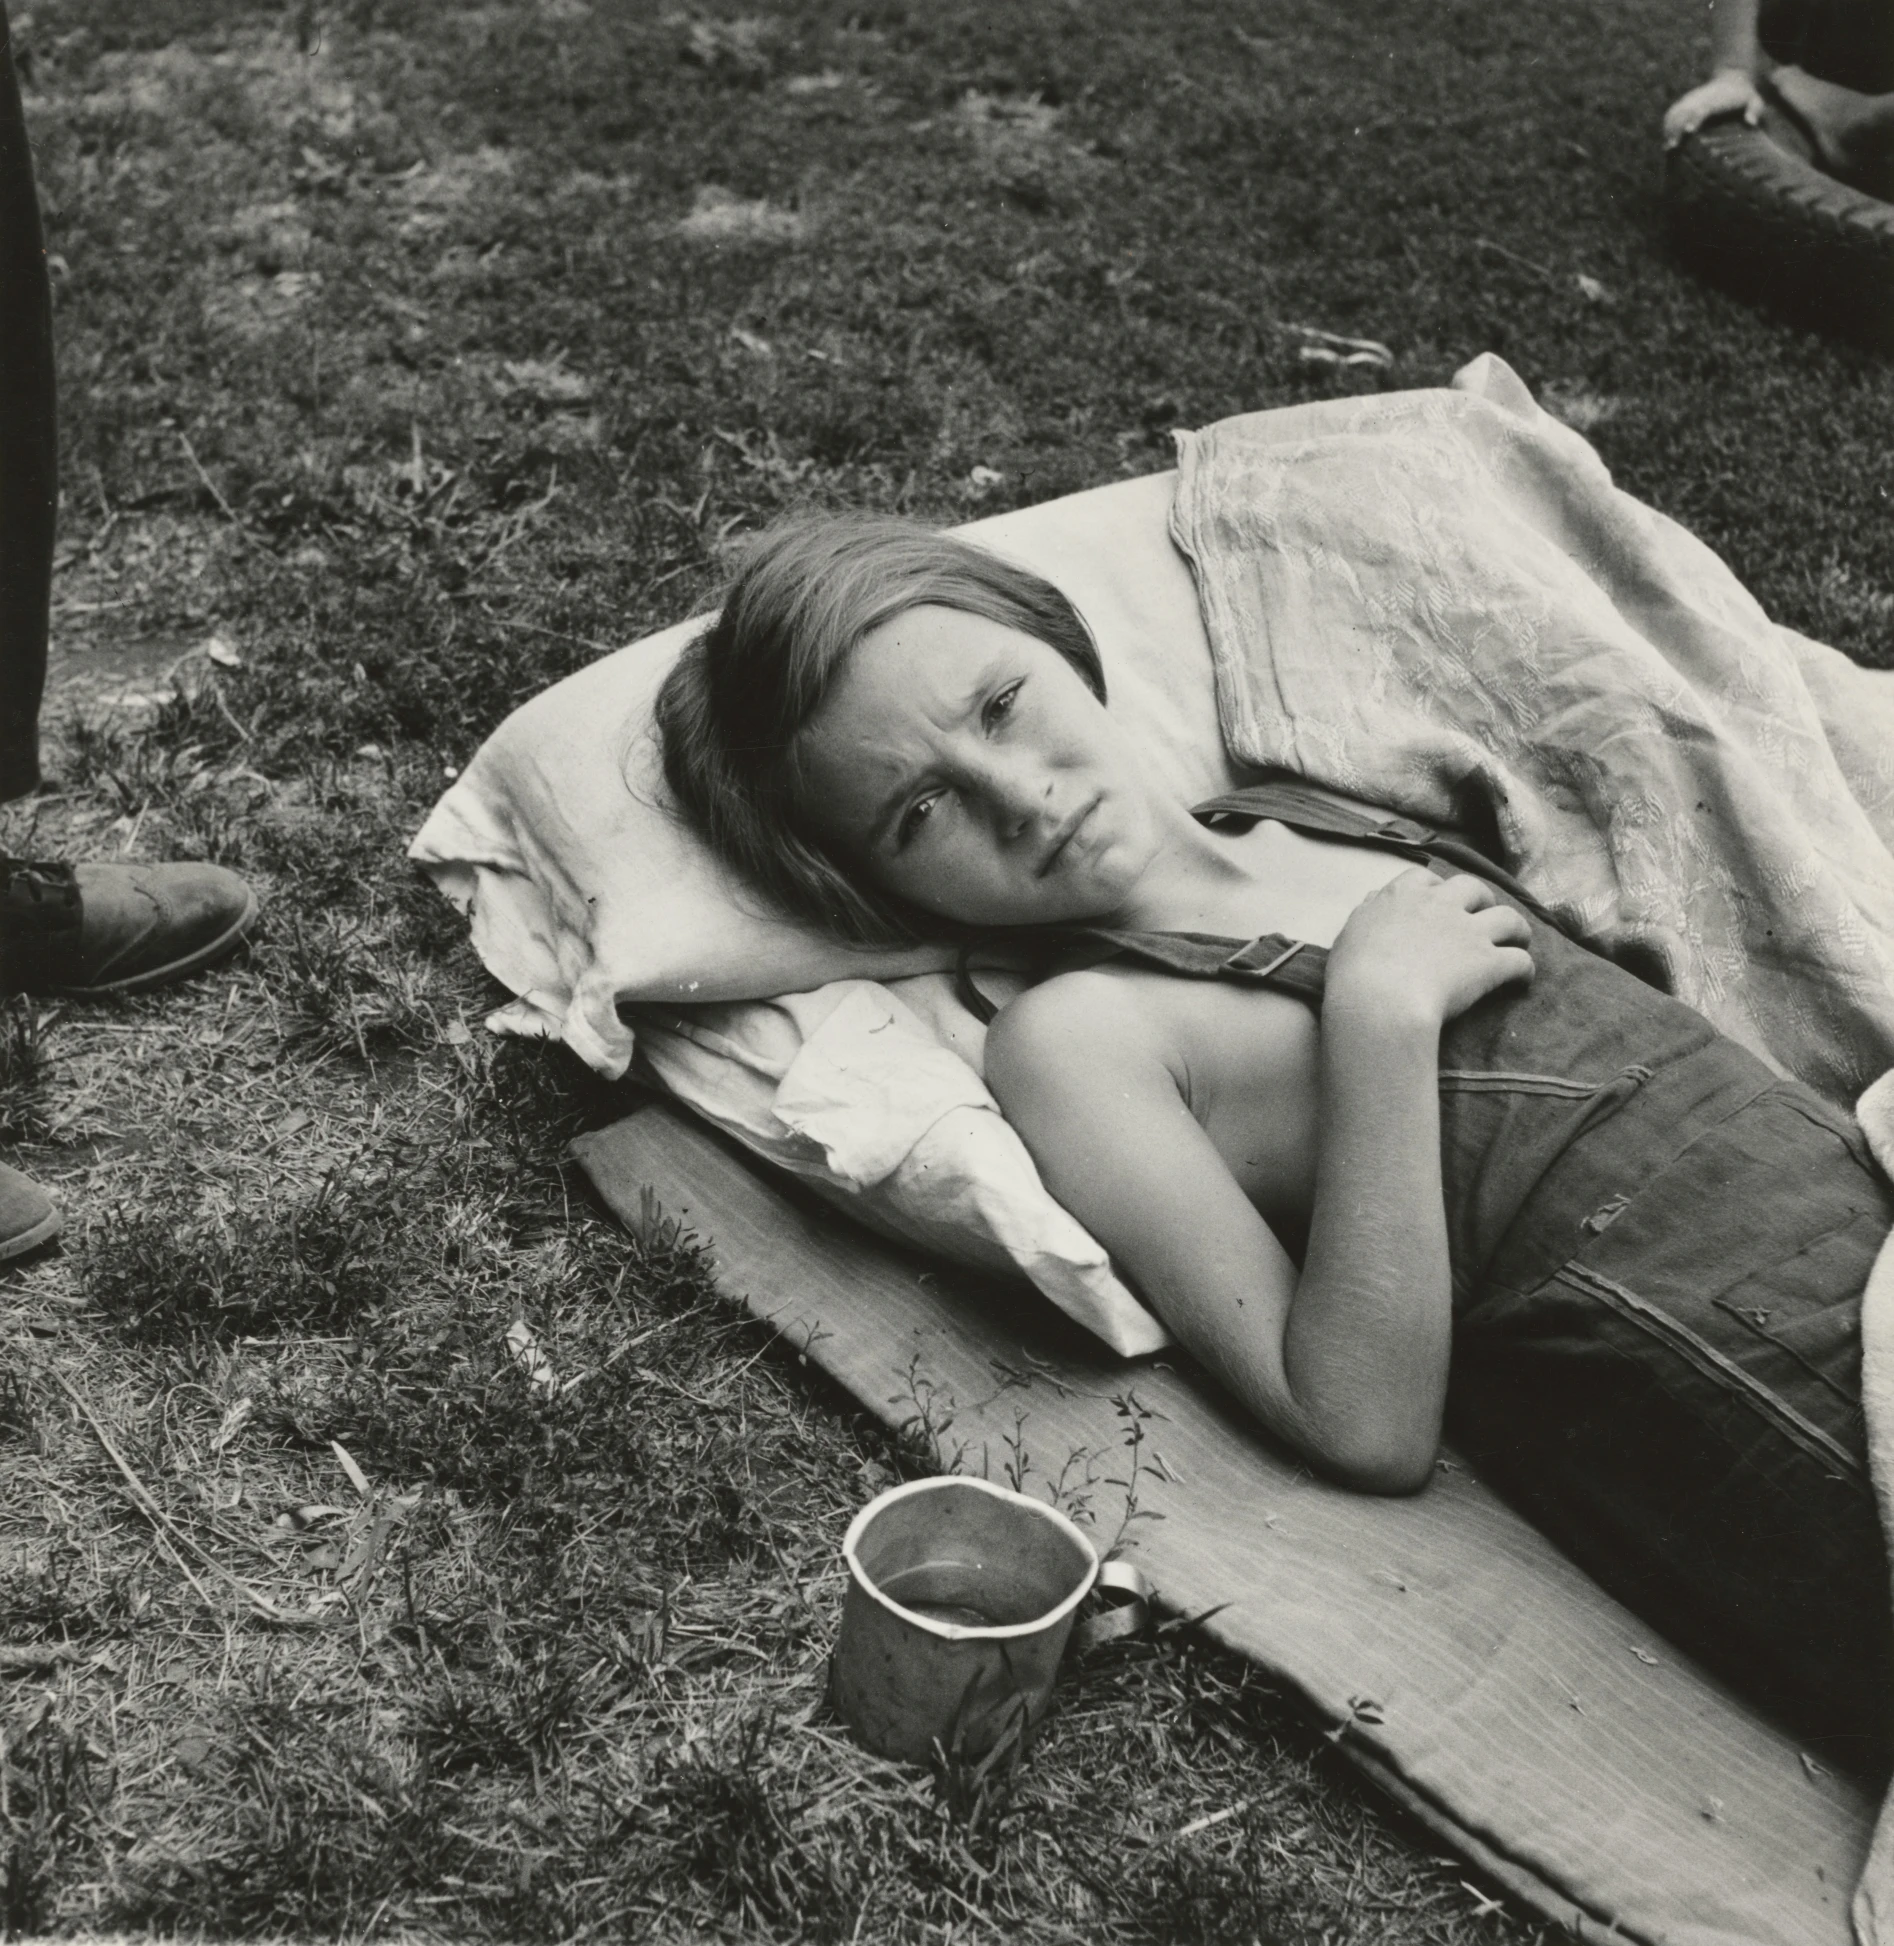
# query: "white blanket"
1439,601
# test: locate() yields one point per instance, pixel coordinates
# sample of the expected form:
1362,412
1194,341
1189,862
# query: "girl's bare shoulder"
1071,1051
1089,1005
1095,1010
1100,1023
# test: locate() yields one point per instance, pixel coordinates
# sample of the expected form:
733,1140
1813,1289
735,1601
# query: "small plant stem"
1513,256
555,634
217,696
173,1536
210,485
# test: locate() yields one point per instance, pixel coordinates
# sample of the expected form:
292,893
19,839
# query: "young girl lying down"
1384,1148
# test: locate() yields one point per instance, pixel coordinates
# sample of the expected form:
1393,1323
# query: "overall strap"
966,988
1287,965
1310,809
1274,960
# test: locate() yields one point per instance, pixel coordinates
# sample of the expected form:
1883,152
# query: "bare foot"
1853,133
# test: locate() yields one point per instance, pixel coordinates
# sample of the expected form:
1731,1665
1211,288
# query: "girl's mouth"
1063,837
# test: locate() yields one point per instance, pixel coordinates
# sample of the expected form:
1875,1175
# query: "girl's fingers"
1469,893
1506,925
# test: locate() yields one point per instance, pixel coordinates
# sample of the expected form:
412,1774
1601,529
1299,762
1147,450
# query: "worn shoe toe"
143,925
28,1216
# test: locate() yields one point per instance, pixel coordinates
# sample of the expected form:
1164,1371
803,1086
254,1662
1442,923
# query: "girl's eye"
917,815
1002,705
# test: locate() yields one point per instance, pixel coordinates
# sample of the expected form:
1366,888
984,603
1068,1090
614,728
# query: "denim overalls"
1658,1251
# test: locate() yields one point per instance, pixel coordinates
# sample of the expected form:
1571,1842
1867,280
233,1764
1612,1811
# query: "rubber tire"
1753,215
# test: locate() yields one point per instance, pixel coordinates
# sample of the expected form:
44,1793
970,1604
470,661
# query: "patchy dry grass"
410,355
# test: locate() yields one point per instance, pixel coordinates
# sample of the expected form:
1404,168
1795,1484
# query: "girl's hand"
1425,949
1730,91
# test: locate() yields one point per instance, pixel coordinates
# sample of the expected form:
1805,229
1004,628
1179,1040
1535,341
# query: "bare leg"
1853,133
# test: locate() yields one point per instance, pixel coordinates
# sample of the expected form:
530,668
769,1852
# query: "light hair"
733,708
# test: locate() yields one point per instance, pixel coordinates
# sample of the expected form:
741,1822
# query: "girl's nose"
1022,794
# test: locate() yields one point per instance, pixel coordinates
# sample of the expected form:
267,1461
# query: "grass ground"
410,354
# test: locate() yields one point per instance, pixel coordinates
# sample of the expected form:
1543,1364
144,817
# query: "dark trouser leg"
29,454
1849,42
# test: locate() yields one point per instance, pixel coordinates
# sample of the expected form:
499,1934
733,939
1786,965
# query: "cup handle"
1124,1618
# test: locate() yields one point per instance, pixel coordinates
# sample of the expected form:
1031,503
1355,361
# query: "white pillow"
852,1090
587,892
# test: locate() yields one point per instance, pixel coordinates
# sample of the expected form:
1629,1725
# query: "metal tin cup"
960,1599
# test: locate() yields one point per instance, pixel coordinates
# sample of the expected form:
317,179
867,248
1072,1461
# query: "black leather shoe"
28,1216
92,929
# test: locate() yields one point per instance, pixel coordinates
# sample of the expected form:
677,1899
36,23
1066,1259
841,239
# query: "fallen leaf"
1345,350
346,1461
533,1363
193,1748
299,1518
1321,355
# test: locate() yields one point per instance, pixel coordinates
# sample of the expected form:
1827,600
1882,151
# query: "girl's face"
966,767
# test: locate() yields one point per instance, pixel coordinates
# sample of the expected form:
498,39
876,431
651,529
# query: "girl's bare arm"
1348,1360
